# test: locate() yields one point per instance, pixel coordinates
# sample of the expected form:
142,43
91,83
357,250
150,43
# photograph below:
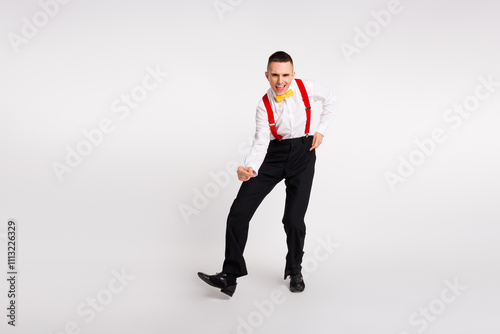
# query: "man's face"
280,76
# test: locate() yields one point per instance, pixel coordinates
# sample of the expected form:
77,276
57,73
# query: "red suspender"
270,114
305,98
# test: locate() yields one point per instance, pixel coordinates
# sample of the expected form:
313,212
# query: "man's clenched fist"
245,173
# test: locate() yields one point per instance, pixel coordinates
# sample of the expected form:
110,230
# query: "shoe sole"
227,290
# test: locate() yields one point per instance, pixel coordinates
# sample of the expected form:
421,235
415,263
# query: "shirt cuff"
321,128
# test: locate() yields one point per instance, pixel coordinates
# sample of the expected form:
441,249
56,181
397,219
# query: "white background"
120,208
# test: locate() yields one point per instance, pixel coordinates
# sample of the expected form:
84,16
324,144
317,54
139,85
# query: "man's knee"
294,225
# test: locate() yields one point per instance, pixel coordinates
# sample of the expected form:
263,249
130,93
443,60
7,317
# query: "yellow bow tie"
284,96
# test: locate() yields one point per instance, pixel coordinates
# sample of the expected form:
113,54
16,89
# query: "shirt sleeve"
257,153
322,93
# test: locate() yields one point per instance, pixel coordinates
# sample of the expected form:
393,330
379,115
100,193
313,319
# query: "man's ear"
267,76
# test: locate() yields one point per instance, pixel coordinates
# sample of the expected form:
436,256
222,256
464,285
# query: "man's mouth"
280,88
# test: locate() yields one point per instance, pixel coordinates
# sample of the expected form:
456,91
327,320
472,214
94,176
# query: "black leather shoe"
222,281
297,283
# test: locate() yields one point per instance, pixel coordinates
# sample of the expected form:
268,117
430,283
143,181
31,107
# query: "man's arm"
258,151
320,92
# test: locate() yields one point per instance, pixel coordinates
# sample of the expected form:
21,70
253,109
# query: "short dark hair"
279,57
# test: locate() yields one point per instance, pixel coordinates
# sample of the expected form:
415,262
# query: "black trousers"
288,159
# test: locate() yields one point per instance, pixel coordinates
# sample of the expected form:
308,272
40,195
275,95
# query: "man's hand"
317,139
245,173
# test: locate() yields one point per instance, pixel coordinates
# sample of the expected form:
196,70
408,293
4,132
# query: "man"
282,149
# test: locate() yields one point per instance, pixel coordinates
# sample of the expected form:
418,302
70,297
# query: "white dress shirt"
290,118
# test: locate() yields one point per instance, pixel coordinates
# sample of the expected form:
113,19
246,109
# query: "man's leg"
298,181
249,197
